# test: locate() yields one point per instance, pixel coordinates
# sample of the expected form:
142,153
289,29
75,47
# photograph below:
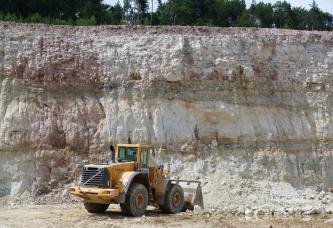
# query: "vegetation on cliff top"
223,13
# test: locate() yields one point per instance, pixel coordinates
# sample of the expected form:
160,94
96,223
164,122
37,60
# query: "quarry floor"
74,215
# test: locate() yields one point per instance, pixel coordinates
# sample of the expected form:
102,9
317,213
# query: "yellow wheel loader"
133,180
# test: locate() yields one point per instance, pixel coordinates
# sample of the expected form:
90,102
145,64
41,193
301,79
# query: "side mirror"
113,154
153,153
112,148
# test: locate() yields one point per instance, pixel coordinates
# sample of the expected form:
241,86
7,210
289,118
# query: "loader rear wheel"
174,200
95,208
136,201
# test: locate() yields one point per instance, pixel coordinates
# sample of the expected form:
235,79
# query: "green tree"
10,17
36,18
263,14
246,20
93,8
301,20
86,21
328,21
283,15
127,13
169,12
226,12
115,14
318,20
201,11
175,12
141,8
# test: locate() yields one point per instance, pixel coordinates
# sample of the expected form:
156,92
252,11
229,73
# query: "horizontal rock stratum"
260,100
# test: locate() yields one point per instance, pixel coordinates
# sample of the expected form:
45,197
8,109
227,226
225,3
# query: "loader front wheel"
174,200
136,201
95,208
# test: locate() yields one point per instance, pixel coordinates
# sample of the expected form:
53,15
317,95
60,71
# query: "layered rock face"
256,102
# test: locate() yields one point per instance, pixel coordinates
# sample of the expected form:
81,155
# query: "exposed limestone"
255,104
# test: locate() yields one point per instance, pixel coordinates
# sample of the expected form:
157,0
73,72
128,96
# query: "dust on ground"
74,215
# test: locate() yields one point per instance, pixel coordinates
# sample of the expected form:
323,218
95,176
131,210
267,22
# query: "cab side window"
144,158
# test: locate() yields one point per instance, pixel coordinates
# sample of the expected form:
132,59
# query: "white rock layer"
262,98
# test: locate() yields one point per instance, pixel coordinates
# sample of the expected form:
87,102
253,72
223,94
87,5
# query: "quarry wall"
230,104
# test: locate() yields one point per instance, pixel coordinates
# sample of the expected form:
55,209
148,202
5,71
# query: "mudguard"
127,178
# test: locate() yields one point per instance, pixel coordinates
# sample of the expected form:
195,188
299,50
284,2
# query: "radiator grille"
94,177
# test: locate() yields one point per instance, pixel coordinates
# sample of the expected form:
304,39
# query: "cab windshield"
127,154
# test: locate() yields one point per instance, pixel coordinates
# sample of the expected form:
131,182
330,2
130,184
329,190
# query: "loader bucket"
192,193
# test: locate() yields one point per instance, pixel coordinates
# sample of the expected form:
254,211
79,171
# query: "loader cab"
137,153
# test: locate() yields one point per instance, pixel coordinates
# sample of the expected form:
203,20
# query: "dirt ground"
74,215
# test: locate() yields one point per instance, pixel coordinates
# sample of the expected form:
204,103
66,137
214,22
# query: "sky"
325,5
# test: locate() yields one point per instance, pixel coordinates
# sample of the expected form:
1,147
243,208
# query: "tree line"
222,13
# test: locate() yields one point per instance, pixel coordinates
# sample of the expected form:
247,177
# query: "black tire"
136,201
95,208
174,200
